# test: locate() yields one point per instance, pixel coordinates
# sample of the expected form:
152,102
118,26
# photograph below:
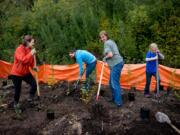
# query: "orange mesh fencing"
53,73
47,73
132,75
5,69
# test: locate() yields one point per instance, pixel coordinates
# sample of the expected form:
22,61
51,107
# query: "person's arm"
34,64
108,55
107,51
80,63
151,59
160,55
22,57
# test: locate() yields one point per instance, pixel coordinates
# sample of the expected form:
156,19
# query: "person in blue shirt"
83,56
151,66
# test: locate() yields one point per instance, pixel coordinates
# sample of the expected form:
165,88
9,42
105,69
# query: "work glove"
36,69
79,77
104,59
157,51
33,51
156,57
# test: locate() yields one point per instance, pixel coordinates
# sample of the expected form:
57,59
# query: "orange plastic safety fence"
5,69
132,75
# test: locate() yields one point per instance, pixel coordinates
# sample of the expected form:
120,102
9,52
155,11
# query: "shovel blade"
97,97
162,117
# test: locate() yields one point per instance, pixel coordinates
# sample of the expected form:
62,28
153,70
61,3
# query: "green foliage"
61,25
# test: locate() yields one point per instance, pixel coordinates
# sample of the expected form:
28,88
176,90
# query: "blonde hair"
103,32
153,45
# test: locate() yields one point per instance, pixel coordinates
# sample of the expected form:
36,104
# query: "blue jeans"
114,83
148,82
89,68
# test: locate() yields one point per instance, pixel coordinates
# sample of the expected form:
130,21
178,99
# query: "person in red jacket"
23,60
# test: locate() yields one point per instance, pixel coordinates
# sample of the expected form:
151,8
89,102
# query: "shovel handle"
99,87
157,74
175,128
36,76
79,79
76,85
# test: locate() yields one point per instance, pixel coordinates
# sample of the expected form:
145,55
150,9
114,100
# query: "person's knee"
114,85
115,82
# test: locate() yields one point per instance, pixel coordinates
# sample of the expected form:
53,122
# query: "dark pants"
89,69
148,82
114,83
17,81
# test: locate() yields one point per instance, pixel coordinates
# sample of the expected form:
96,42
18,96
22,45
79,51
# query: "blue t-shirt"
151,65
84,56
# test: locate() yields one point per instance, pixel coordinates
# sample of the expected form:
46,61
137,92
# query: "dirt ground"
73,116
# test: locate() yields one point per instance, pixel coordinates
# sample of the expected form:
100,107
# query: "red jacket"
23,59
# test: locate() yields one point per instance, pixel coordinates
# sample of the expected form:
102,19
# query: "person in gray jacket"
115,63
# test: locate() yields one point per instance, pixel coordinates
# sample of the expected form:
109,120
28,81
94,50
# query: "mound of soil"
74,116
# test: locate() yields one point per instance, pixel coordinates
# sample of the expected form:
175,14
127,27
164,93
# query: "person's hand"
157,51
104,59
36,69
33,51
156,57
79,77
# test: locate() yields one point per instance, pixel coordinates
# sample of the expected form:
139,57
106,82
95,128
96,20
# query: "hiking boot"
147,95
17,109
157,95
119,106
31,98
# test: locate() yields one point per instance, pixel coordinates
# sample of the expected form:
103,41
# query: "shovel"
163,118
36,76
37,83
157,75
75,85
99,87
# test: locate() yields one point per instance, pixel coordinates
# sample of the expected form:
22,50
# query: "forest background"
61,25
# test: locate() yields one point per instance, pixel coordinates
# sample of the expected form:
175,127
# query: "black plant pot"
102,93
144,113
4,83
131,96
50,114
